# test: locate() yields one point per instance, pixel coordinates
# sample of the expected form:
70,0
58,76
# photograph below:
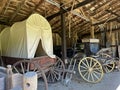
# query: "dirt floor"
110,81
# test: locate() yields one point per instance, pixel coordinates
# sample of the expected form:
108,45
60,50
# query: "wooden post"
64,56
30,81
118,37
104,38
117,43
92,28
119,51
113,45
92,32
9,78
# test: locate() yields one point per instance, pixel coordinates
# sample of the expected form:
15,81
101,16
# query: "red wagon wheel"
24,66
56,71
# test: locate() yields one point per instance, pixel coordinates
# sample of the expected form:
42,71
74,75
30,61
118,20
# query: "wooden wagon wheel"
56,71
90,70
24,66
107,62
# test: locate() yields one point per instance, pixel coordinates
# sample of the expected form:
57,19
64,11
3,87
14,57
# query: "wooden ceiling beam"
68,9
17,10
100,8
103,12
6,6
114,13
102,22
73,24
80,25
103,31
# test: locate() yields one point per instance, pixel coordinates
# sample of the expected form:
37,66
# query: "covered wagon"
31,41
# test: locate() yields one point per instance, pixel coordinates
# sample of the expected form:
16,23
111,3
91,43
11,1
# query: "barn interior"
78,26
71,21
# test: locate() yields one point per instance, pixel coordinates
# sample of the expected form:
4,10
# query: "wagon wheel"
90,70
56,71
24,66
107,62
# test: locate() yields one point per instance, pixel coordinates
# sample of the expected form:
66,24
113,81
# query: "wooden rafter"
114,13
17,10
68,9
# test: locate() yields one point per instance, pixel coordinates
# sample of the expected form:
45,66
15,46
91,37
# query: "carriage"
92,63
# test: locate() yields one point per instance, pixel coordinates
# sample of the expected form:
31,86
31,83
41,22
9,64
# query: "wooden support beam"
64,50
92,28
102,22
92,32
113,43
114,13
116,29
99,8
68,9
17,10
104,38
6,6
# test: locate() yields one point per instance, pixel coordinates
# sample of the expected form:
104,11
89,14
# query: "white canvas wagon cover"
22,38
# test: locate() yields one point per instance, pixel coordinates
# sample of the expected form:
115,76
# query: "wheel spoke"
97,72
84,64
106,69
83,67
94,65
85,74
95,76
22,68
92,77
96,69
28,67
87,62
57,62
56,72
35,69
88,76
90,62
84,70
52,77
48,76
55,75
109,66
16,69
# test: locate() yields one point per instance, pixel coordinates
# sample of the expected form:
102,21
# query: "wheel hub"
90,69
52,69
